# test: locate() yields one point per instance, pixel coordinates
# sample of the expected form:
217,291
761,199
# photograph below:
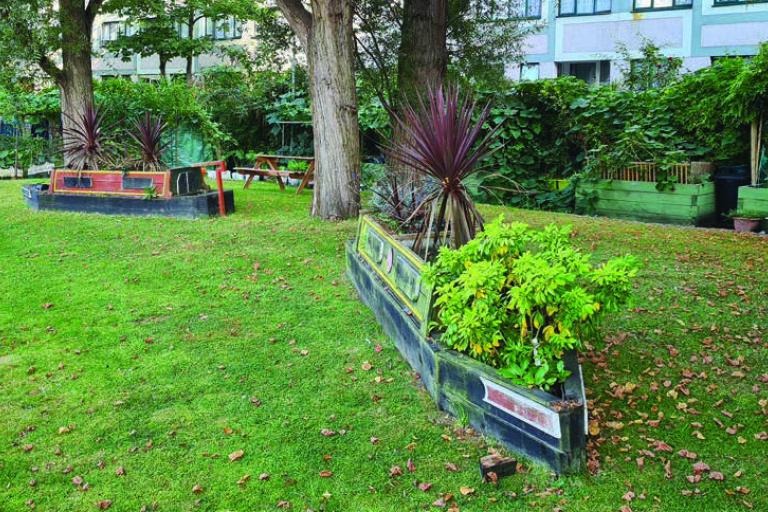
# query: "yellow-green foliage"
518,298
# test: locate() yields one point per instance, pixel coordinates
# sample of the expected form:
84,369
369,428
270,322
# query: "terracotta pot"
745,225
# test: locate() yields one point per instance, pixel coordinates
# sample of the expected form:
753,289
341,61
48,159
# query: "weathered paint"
397,266
460,385
108,182
686,204
187,207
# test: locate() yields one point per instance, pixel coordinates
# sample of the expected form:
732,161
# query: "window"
584,7
648,5
110,31
227,28
591,72
508,9
529,72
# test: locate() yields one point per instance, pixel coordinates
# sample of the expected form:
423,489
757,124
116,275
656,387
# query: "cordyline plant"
149,139
441,141
83,145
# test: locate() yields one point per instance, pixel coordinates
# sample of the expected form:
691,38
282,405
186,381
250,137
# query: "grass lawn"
137,355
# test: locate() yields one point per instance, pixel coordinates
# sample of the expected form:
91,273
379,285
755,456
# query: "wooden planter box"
755,199
691,204
548,428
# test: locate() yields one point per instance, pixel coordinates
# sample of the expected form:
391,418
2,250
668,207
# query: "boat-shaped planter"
547,427
179,192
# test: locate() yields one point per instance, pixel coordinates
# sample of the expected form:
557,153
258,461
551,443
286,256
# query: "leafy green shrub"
517,298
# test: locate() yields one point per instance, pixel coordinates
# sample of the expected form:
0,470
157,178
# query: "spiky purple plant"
441,140
83,148
149,139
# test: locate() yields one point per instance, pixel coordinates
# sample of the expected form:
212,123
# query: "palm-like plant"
83,148
441,141
149,139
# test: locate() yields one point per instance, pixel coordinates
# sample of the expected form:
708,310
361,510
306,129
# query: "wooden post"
754,151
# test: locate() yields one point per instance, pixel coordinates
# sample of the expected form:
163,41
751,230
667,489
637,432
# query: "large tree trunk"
75,79
423,56
327,36
334,111
422,61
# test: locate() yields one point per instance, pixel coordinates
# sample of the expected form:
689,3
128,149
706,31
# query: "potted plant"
746,221
490,316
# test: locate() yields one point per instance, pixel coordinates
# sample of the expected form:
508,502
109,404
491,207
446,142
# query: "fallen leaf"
716,475
410,465
425,486
326,474
395,471
366,366
236,455
197,488
327,432
450,466
700,467
466,491
103,504
374,440
264,476
120,471
243,479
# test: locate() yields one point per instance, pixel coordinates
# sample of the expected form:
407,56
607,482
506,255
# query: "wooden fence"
687,173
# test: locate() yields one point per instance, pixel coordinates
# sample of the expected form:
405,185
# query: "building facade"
109,27
584,37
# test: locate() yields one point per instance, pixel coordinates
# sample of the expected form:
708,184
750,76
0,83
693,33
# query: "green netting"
187,146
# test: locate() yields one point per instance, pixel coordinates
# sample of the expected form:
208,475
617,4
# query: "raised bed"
687,204
179,192
550,428
196,206
754,199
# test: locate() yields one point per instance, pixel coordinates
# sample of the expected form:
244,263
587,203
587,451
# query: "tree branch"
47,65
93,9
298,17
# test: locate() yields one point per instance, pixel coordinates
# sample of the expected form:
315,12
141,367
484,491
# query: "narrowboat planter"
550,428
179,192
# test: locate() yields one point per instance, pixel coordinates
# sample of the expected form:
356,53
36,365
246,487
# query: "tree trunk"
334,111
163,63
327,36
191,35
422,61
422,58
75,79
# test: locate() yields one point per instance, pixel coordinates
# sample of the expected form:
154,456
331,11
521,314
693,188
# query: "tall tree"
325,31
172,28
422,58
33,32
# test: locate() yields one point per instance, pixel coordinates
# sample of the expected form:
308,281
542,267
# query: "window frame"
575,12
730,3
673,7
212,29
480,8
119,30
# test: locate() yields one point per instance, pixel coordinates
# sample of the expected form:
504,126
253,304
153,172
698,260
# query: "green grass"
130,330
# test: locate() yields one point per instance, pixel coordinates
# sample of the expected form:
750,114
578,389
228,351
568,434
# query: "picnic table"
273,170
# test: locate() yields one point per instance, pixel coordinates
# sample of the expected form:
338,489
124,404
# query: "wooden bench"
272,163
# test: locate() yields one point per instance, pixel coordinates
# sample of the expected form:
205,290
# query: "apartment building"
109,27
583,37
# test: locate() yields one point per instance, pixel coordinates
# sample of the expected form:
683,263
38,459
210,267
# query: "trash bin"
728,179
